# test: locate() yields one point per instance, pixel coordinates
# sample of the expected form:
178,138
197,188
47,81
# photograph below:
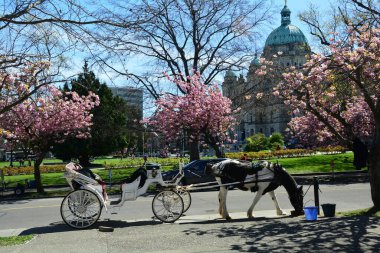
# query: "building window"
287,64
261,130
271,130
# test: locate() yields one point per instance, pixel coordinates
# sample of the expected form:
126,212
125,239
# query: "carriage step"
115,202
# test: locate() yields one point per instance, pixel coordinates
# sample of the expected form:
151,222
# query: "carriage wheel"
167,206
186,197
81,209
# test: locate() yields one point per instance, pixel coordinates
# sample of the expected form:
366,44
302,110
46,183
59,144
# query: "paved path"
203,231
208,234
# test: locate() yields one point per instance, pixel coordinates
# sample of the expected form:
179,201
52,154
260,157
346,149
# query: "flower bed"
272,154
331,150
286,153
27,170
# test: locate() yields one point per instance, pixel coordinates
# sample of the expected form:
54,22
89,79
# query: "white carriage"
82,207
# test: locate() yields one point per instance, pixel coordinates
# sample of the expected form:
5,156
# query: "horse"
261,177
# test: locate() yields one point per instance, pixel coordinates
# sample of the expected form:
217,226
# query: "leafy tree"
109,130
46,118
203,113
257,142
276,140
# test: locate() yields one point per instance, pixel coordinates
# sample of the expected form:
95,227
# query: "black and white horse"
262,177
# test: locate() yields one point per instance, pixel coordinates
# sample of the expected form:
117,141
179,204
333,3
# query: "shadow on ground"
348,234
62,227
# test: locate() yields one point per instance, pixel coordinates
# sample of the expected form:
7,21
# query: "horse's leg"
222,203
258,196
278,209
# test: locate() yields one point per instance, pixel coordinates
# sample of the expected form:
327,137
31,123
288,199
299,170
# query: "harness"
232,175
255,168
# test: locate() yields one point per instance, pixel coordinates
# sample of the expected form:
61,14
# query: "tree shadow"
347,234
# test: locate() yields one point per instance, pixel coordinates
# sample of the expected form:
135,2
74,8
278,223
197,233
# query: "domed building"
266,113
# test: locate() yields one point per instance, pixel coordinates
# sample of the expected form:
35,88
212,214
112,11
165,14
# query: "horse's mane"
285,179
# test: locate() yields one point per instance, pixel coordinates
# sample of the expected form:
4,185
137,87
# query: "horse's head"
208,169
296,200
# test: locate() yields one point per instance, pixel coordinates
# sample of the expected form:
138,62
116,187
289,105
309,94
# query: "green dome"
286,33
255,61
230,73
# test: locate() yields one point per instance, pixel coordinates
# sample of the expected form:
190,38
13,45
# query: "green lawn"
15,240
318,163
56,178
315,163
17,164
361,212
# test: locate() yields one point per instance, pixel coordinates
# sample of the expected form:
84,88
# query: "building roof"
286,33
255,61
230,73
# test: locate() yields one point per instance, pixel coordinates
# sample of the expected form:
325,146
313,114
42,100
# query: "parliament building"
269,114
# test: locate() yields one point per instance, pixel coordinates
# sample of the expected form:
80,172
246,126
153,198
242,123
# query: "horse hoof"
282,214
251,216
228,218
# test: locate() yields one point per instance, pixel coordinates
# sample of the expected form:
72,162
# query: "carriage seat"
140,172
77,176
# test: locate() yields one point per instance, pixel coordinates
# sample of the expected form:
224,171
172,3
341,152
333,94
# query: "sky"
296,6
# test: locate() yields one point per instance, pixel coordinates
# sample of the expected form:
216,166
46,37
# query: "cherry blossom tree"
337,96
203,113
17,84
45,118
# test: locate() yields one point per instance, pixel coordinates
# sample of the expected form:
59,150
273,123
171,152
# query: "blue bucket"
311,212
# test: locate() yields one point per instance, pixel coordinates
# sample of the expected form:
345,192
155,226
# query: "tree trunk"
194,150
374,169
84,160
218,150
37,173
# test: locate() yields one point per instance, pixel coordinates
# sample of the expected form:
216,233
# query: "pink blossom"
203,112
49,118
329,92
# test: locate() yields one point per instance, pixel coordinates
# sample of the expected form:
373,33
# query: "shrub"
256,143
276,140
